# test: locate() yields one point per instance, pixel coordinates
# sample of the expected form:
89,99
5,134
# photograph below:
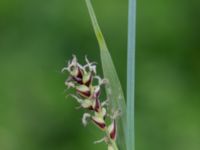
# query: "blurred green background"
38,37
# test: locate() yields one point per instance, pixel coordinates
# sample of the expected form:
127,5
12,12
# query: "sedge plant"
113,116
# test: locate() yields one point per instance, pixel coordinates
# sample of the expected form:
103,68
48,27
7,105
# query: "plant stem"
114,145
112,142
131,75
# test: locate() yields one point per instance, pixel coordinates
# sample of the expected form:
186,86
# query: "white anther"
88,62
65,69
69,84
100,80
77,99
74,60
70,64
93,69
85,118
100,141
91,65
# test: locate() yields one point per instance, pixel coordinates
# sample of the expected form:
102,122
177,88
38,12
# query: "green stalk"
113,143
130,141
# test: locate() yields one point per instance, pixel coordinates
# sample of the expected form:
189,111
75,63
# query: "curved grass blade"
113,89
131,76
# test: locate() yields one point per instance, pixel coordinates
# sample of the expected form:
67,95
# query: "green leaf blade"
113,89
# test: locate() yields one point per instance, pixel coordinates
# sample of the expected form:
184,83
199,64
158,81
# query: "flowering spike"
81,78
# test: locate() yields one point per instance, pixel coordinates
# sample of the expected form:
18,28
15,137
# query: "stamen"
100,141
77,99
101,81
112,130
85,118
69,84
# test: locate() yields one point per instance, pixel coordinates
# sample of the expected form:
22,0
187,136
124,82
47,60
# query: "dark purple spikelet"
100,124
89,81
97,105
85,94
113,131
78,80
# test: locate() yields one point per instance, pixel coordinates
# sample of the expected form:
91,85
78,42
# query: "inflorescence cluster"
82,79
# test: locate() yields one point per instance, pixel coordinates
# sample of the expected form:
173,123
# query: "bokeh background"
37,37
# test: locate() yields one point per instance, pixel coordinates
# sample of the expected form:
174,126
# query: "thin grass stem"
130,140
